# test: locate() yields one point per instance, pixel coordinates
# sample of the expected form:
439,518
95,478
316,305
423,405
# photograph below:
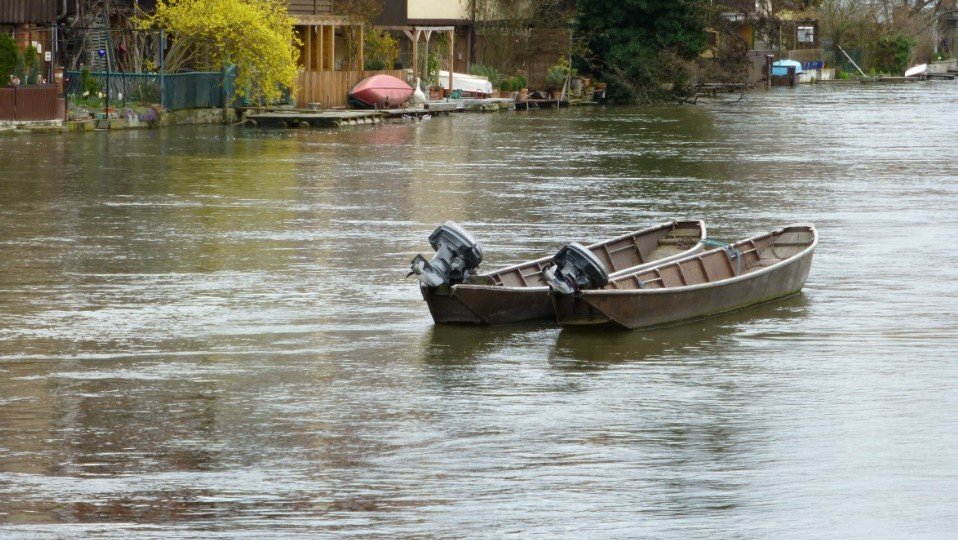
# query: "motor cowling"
575,268
458,255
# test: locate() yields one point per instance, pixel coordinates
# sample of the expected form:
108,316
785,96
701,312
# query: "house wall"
28,11
448,10
394,13
310,7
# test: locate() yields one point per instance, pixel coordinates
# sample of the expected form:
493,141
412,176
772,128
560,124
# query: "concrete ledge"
198,117
80,125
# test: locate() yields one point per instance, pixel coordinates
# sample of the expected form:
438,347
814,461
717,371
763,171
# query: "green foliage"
89,84
148,92
557,74
488,72
514,83
256,36
432,69
646,47
381,50
9,58
30,66
894,52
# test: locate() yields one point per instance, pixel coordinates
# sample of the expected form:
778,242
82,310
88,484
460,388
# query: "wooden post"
426,67
321,52
452,58
332,48
362,64
307,73
415,54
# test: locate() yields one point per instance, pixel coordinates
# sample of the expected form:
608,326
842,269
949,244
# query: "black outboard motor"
458,255
575,268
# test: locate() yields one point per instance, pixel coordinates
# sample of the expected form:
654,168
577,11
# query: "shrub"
557,74
148,92
89,85
9,58
514,83
381,50
432,69
894,51
30,60
488,72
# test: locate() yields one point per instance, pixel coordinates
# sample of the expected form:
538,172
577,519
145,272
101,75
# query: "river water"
208,333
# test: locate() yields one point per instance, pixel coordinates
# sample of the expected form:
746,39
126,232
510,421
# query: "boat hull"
478,304
507,303
381,91
639,308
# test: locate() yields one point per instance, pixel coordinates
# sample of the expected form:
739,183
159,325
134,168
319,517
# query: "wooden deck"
540,104
307,119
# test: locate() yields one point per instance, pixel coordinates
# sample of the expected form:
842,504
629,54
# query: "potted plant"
556,76
432,76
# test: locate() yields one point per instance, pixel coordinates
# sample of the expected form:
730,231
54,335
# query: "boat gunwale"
722,282
703,234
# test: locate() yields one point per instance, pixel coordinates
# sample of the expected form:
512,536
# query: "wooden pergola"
319,42
415,34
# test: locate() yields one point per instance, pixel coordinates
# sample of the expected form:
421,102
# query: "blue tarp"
780,67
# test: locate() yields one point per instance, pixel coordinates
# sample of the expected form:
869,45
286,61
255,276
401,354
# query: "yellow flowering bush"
254,35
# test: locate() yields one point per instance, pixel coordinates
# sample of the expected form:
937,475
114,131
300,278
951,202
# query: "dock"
428,109
312,118
541,103
307,118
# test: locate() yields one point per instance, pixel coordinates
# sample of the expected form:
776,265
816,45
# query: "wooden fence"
31,102
331,88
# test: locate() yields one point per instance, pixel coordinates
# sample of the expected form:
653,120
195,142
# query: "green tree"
647,48
254,35
30,62
894,52
9,58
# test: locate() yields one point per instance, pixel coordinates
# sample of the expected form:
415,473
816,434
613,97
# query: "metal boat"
519,293
729,277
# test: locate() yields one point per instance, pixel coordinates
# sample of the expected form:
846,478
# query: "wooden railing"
331,88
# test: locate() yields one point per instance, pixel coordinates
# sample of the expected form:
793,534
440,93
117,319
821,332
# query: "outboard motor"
575,268
458,255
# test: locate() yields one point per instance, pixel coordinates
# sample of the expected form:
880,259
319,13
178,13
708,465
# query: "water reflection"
585,348
463,345
206,331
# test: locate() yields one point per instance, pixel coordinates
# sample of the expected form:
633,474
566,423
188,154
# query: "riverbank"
281,116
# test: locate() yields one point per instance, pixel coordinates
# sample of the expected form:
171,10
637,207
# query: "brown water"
208,333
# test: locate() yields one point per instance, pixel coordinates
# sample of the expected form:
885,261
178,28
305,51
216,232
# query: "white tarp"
466,83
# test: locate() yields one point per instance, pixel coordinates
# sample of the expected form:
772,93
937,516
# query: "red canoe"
380,91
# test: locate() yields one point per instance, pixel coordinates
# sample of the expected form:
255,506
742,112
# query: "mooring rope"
730,251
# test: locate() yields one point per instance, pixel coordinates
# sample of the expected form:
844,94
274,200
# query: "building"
30,22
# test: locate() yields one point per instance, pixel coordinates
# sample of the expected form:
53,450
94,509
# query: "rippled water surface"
208,333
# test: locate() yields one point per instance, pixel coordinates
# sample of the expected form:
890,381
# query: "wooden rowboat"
518,294
731,277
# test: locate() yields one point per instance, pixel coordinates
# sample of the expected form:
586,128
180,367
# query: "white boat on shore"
465,82
920,69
